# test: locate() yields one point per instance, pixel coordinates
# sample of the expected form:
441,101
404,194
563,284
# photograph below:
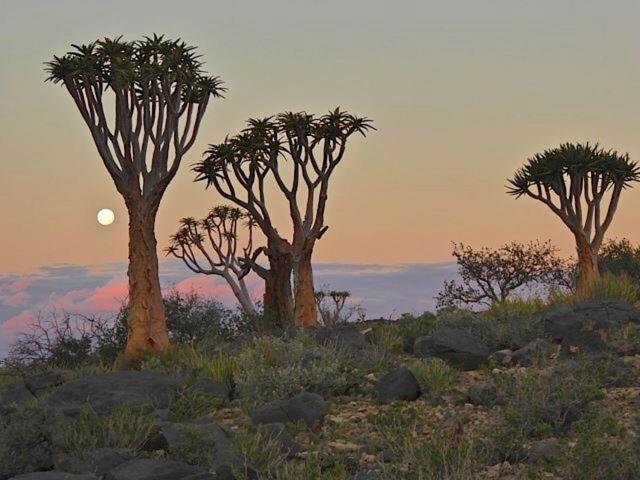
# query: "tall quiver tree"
159,95
298,153
582,185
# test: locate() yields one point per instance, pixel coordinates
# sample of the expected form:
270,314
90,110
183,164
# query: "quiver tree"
490,277
159,95
213,246
297,153
582,185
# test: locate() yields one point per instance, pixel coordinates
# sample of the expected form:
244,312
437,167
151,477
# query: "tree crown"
115,63
574,160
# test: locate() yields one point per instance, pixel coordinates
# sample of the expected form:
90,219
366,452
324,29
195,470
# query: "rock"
399,384
211,386
306,406
40,383
544,450
482,393
624,348
277,432
205,436
503,357
11,396
349,339
581,342
456,347
525,355
103,392
157,469
54,475
98,461
603,315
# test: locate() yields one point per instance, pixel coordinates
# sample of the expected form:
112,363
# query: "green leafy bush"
123,427
434,377
271,368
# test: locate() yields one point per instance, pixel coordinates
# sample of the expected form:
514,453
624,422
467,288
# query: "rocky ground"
547,395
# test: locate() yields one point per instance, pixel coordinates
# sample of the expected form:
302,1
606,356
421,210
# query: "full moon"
106,217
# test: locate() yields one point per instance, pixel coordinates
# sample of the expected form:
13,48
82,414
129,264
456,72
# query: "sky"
462,93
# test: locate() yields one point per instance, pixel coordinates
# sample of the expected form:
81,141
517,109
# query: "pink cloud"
104,299
14,294
216,287
10,329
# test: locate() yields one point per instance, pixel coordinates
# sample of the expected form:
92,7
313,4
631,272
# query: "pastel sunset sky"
462,92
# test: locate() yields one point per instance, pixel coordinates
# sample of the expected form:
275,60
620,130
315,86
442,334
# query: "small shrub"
272,368
434,377
123,427
192,403
424,452
538,404
261,452
604,287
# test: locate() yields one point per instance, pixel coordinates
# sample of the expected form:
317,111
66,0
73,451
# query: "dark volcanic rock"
103,392
604,316
12,395
277,432
157,469
399,384
98,461
40,383
55,475
526,354
345,338
456,347
221,453
306,406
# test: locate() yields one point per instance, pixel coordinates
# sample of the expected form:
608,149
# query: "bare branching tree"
212,246
159,95
490,277
298,153
333,308
582,185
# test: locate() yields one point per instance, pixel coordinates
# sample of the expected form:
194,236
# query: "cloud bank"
383,290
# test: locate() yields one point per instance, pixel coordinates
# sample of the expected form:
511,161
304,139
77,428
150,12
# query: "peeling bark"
305,313
587,262
147,322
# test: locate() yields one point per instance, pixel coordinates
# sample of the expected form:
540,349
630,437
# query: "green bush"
191,403
538,404
604,287
434,377
271,368
424,452
123,427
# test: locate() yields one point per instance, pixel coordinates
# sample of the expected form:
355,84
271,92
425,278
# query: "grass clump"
606,286
193,403
424,452
434,377
271,368
122,427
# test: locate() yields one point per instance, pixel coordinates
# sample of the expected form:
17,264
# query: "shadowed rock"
306,406
399,384
456,347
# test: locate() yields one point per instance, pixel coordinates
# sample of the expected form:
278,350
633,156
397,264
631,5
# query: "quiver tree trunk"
146,320
587,262
278,297
305,313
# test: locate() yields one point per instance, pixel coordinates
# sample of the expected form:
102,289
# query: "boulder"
306,406
503,357
277,433
11,396
215,443
211,386
55,475
603,316
103,392
544,450
526,354
399,384
349,339
98,461
581,342
157,469
38,384
456,347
